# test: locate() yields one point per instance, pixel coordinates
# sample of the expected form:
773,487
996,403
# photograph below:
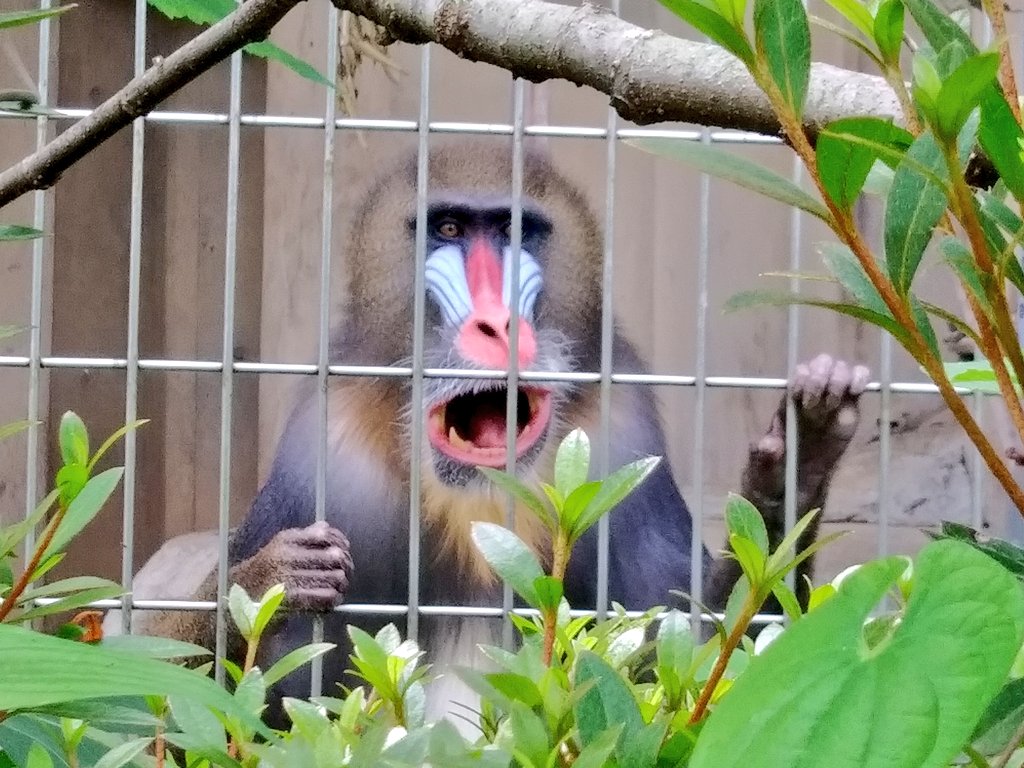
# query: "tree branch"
649,76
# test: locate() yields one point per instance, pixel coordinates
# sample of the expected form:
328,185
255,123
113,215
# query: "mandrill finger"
838,384
861,377
819,373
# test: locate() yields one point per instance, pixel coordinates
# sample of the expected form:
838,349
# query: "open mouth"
471,428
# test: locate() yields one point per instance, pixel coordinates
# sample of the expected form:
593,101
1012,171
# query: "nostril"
486,329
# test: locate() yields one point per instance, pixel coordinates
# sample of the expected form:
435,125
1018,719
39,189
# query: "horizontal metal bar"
378,609
383,371
409,126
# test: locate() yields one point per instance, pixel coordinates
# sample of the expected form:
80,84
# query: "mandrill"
361,553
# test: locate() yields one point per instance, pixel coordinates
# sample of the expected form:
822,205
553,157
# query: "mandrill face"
469,282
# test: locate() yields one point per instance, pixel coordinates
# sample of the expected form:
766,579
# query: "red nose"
484,339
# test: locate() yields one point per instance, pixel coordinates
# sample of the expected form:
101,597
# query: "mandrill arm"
826,392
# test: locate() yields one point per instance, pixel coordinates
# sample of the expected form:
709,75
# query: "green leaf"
153,647
848,148
938,28
855,12
242,609
572,462
782,35
675,645
914,207
888,30
268,605
10,232
960,259
614,488
787,600
85,506
70,480
1007,554
606,703
74,439
549,591
38,757
714,25
198,722
577,502
18,18
73,584
39,670
1002,718
123,754
999,136
511,484
748,299
743,519
510,558
924,324
845,267
600,748
267,50
109,442
7,430
921,692
524,734
295,659
750,557
734,168
71,602
962,92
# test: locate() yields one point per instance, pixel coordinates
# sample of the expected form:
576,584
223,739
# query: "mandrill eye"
449,229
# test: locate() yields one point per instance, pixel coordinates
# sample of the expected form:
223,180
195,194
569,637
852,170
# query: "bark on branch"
649,76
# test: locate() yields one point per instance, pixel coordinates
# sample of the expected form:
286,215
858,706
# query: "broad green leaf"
70,480
73,439
743,519
85,506
675,643
123,754
242,609
782,35
734,168
926,85
848,148
714,25
269,602
38,757
845,267
787,600
512,485
976,376
207,12
607,702
888,29
153,647
18,18
748,299
39,670
295,659
962,92
750,557
922,691
17,231
198,721
999,137
577,502
524,734
572,462
938,28
614,488
856,12
510,558
914,206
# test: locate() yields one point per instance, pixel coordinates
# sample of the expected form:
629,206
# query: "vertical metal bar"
36,308
700,395
792,352
316,667
515,248
607,339
131,394
884,444
419,323
227,358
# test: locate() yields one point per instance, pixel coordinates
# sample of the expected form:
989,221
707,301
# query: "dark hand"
313,563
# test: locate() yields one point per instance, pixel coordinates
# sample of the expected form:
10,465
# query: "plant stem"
750,608
26,575
844,226
560,559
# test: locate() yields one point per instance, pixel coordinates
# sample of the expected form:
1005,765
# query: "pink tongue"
487,429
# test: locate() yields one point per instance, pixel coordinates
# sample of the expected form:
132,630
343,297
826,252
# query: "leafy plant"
961,115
